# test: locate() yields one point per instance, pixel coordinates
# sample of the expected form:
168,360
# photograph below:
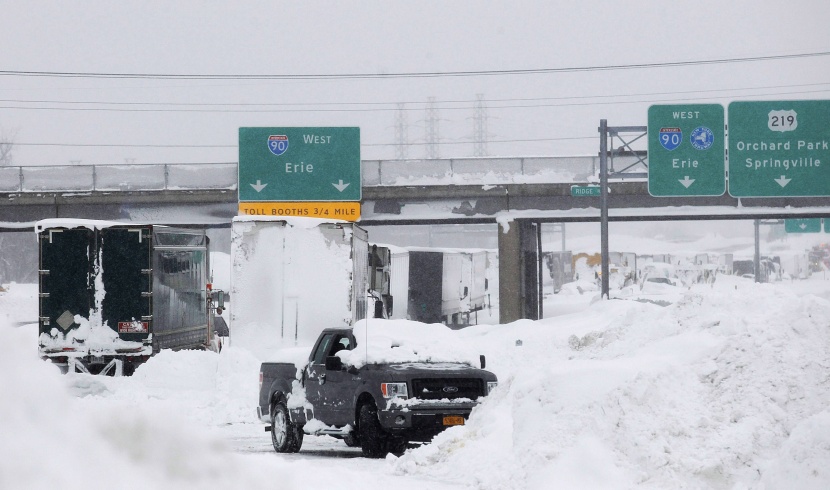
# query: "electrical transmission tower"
480,127
432,129
401,139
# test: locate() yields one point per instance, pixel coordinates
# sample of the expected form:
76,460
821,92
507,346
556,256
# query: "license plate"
453,420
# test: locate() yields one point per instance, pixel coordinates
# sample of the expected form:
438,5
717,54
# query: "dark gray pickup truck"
379,407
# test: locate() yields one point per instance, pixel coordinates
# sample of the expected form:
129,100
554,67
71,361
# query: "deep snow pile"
728,388
161,428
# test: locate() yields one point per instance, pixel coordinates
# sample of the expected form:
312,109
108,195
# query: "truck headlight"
491,385
391,390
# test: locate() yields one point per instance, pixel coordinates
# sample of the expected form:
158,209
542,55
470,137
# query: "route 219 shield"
670,138
278,144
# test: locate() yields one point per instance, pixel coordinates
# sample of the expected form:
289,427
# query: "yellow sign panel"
347,210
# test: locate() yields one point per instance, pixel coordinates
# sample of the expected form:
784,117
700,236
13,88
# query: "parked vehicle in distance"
111,295
380,407
463,288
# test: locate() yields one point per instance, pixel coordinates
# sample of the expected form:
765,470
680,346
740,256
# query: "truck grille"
451,388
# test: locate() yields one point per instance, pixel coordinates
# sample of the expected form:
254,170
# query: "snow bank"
727,388
158,429
49,442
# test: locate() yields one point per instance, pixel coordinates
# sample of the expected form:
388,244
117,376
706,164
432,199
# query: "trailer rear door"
126,264
65,263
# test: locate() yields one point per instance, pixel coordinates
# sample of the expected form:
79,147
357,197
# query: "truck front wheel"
285,436
373,440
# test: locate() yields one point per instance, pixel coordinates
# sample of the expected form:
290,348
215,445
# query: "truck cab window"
340,343
322,349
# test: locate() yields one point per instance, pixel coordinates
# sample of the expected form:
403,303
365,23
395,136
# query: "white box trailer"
293,277
479,284
455,286
418,295
399,283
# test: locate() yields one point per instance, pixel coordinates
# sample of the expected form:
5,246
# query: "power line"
434,74
450,101
390,109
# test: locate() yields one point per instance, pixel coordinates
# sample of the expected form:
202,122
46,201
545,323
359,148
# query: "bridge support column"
510,296
518,271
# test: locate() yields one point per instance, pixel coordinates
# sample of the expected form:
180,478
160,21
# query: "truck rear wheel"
373,440
285,436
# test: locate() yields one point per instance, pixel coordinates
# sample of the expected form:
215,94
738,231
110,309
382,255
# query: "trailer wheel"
284,435
373,440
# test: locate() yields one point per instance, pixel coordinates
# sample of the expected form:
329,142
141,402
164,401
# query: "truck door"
330,392
66,261
316,377
126,264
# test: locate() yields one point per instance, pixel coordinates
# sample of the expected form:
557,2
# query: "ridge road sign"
802,225
294,164
686,150
585,190
779,148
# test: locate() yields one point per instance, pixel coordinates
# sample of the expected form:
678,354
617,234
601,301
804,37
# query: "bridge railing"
223,176
493,170
150,177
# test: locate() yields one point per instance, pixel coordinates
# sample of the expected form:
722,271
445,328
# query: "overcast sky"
55,120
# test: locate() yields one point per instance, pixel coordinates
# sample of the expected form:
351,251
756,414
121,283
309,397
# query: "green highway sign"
585,190
803,225
299,164
779,148
686,150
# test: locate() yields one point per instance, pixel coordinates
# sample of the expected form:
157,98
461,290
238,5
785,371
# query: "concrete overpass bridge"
448,191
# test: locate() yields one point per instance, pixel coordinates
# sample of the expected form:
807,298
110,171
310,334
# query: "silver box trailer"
293,277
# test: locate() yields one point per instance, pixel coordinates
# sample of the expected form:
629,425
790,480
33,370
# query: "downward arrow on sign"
340,186
258,186
686,181
783,181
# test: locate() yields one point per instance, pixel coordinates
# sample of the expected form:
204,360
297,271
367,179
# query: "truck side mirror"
334,363
483,361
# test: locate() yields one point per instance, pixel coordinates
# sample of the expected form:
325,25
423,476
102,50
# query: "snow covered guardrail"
223,176
123,178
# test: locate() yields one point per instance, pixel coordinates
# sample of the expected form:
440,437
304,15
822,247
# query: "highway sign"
803,225
779,148
347,210
686,150
299,164
585,190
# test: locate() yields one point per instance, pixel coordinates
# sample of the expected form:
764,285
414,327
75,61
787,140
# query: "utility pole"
603,182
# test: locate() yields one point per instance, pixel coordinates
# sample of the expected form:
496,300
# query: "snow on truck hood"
406,344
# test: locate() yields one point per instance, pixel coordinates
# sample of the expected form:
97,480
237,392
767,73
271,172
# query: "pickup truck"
381,407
